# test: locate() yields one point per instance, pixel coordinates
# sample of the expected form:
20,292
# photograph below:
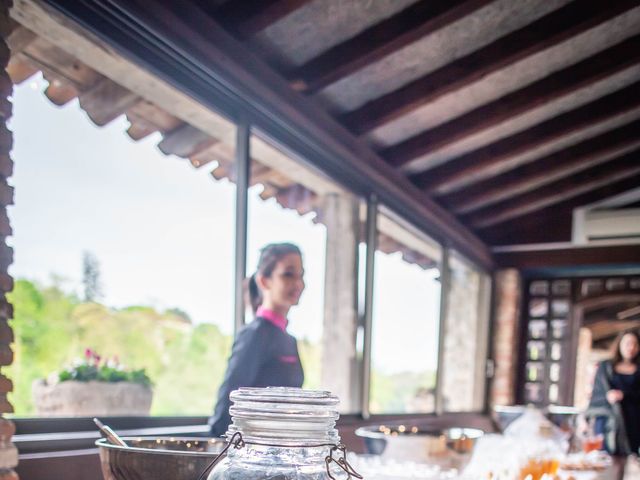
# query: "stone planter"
85,399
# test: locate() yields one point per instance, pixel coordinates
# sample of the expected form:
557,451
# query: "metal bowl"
412,443
158,458
562,416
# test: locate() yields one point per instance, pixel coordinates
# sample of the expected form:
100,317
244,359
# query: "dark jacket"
613,422
263,355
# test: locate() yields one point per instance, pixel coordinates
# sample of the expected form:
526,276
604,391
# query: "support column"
508,284
8,452
339,360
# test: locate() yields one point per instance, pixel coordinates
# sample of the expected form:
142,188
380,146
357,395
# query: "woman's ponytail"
254,293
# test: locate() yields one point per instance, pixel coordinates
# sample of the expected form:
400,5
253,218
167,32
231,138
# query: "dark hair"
270,255
617,357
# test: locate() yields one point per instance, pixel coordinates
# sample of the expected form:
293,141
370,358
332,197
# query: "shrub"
110,370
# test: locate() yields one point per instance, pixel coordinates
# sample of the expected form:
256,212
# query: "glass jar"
284,434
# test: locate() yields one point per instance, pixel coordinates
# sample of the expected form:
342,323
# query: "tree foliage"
52,328
185,362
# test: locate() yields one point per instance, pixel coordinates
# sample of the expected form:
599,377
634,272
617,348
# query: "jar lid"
284,416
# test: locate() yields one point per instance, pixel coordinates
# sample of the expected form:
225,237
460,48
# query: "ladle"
112,436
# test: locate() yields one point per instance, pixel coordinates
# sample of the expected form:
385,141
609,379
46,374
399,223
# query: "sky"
162,231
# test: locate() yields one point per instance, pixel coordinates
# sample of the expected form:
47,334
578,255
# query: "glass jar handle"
236,441
341,461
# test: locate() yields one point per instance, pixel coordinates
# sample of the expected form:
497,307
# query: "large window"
290,202
406,312
119,249
125,240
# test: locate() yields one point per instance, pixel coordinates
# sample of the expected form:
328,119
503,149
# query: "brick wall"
507,284
8,452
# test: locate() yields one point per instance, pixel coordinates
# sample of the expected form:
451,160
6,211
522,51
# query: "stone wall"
465,341
507,285
8,452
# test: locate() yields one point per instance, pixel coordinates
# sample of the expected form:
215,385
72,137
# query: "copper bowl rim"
104,443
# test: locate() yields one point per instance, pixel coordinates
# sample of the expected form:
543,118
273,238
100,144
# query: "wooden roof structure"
502,116
505,113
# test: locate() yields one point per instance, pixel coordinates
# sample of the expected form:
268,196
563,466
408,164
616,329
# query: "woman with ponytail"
264,353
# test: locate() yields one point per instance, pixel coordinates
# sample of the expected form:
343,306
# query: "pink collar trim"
273,317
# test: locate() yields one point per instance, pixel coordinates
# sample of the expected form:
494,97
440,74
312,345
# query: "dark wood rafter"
627,179
553,224
554,86
499,156
378,41
245,18
106,100
558,191
627,254
552,167
544,33
19,39
185,141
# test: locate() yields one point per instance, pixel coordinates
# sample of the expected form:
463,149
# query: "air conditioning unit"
605,226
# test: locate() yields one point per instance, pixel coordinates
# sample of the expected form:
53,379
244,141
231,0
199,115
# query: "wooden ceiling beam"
380,40
185,141
544,226
615,176
245,18
20,38
602,65
498,157
557,165
549,30
106,100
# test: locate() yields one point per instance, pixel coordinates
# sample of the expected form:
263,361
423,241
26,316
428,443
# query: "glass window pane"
293,203
406,298
533,392
556,351
122,249
591,286
615,284
553,392
535,371
465,337
561,287
538,307
536,350
537,329
554,372
559,328
539,287
560,307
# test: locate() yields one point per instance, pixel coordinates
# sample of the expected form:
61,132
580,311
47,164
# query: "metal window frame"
243,171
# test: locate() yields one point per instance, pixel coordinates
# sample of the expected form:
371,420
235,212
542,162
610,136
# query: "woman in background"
264,353
616,391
